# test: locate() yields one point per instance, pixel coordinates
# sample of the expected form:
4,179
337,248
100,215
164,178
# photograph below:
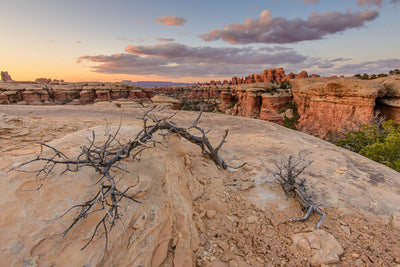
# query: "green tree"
380,143
365,76
386,152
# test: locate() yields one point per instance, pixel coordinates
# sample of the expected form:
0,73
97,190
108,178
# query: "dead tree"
286,173
106,159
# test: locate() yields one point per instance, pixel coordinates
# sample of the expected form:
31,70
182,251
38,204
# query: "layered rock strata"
69,93
333,106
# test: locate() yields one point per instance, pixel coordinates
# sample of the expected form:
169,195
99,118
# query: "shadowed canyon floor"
192,212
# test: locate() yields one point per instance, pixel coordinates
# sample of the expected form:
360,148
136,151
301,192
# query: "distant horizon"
186,41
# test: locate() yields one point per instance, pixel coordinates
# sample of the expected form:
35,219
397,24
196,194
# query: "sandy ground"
194,213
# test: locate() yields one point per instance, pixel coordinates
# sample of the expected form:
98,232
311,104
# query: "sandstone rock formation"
325,248
43,80
268,75
5,77
389,105
173,103
193,212
58,92
330,107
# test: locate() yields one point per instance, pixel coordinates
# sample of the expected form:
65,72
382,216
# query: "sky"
190,41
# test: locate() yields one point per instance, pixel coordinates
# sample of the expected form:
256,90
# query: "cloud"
171,20
267,29
395,1
310,1
165,39
178,60
187,54
78,42
254,8
370,3
377,66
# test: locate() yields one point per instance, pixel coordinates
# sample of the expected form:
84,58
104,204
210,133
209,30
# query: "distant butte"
5,77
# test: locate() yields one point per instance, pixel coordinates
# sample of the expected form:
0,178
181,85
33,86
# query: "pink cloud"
267,29
165,39
370,3
254,8
171,20
179,60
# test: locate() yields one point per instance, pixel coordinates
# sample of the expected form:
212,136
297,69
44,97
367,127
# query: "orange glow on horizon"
72,76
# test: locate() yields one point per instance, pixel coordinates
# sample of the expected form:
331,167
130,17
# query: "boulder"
166,100
4,99
324,247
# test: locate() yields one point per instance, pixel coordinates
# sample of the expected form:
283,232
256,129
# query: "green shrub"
380,143
357,140
291,122
285,85
386,152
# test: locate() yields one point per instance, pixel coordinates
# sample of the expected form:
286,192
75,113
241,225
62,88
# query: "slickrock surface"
193,212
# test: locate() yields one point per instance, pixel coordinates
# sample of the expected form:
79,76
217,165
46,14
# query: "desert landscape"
192,212
200,133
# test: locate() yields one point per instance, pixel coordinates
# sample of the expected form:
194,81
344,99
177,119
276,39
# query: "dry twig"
106,158
287,173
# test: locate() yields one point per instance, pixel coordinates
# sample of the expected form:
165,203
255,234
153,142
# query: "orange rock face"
268,75
62,93
272,106
301,75
331,107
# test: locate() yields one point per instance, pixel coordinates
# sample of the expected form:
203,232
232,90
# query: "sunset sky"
188,41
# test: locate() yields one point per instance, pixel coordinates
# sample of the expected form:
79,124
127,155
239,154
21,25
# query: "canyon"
326,107
191,212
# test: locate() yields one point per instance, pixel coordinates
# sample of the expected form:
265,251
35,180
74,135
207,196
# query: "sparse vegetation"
208,105
291,122
377,141
367,76
285,85
286,173
395,71
105,158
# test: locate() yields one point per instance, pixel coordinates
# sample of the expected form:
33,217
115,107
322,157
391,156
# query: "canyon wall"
69,93
327,107
333,106
389,105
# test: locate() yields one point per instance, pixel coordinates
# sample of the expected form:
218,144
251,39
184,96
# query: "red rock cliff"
333,106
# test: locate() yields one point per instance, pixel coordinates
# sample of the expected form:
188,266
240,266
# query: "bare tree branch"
286,173
105,159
